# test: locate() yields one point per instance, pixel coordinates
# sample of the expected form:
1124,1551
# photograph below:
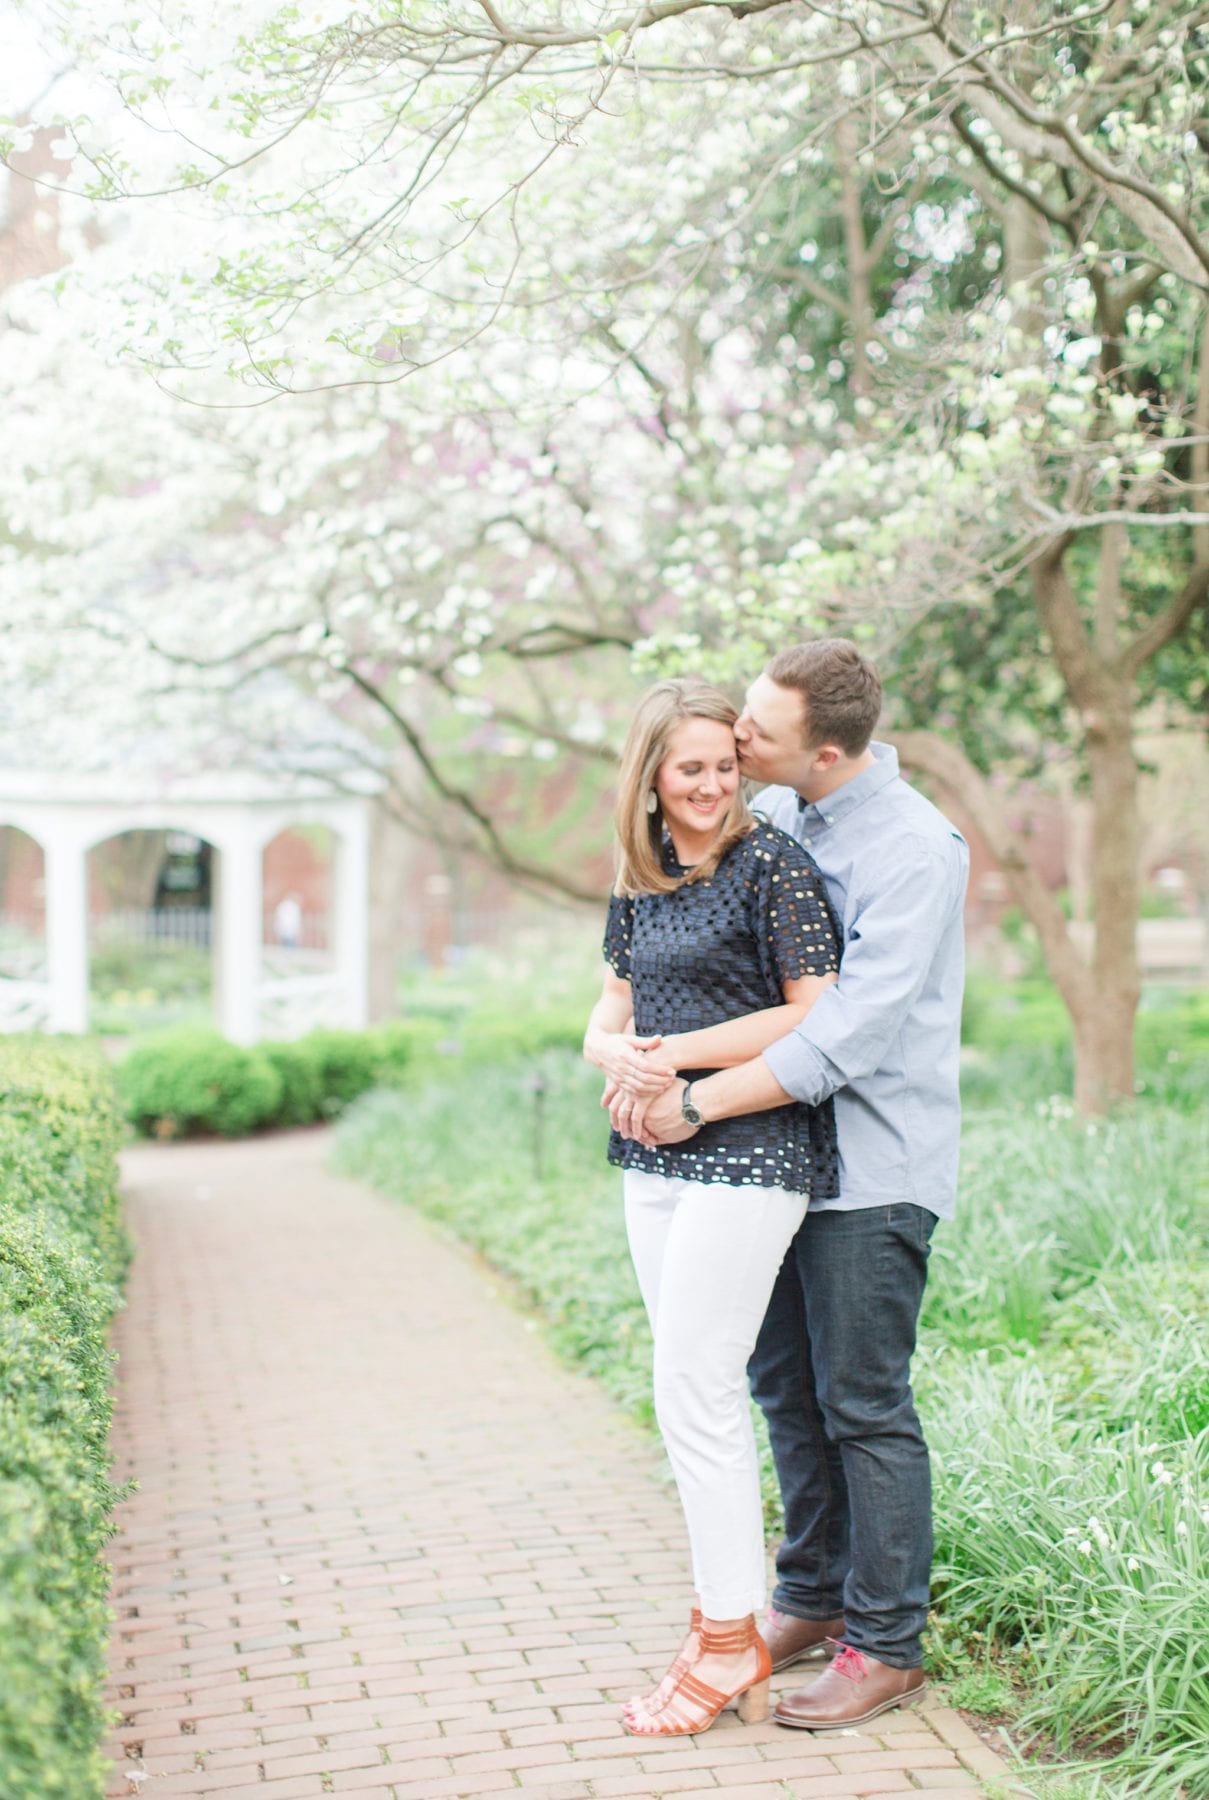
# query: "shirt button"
830,817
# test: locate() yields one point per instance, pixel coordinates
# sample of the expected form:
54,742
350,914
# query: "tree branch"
1058,606
973,143
1168,624
556,639
500,852
810,284
1071,523
534,728
1199,457
1048,135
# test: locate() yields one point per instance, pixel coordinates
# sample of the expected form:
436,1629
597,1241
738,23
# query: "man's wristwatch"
690,1112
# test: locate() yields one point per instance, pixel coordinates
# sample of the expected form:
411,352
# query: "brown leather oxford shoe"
855,1688
792,1640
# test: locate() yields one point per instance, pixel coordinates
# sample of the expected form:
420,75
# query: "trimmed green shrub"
189,1079
194,1080
62,1256
348,1063
300,1073
58,1126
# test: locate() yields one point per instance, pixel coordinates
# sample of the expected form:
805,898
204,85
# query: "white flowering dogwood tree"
493,349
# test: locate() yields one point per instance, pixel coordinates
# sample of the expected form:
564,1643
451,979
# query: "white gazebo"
236,799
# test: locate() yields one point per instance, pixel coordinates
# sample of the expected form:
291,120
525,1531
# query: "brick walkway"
382,1543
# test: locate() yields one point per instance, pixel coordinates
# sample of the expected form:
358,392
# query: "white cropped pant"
706,1255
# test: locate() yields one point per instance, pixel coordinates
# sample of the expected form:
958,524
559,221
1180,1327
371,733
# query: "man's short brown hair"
841,692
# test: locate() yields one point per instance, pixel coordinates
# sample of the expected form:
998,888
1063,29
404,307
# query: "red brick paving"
384,1545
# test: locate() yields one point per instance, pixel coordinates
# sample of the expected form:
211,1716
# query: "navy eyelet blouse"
715,949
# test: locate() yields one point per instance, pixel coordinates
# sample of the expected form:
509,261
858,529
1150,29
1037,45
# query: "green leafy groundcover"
1063,1375
63,1256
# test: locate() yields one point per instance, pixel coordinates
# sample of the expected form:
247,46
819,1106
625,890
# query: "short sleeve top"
715,949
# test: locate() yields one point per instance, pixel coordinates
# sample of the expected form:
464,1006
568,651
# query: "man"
831,1370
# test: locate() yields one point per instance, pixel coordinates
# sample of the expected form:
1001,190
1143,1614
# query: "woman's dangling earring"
652,801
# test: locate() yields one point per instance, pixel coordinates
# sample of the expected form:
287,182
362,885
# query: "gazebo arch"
237,812
23,916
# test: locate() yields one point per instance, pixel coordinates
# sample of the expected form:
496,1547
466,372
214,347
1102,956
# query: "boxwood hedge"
63,1256
189,1079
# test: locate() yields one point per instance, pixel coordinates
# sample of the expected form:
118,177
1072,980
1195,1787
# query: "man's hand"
663,1122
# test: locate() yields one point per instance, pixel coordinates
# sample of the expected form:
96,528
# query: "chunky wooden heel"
693,1706
753,1705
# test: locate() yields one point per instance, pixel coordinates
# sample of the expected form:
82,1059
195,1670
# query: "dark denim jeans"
831,1372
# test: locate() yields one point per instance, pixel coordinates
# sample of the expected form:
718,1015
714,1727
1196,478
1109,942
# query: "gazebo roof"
267,742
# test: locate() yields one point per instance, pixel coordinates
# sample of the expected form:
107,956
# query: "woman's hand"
626,1113
629,1063
650,1119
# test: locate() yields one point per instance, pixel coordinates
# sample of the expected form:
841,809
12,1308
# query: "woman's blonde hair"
640,867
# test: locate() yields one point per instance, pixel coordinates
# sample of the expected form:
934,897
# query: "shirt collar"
836,806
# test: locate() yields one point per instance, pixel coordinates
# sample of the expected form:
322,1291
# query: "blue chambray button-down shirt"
885,1040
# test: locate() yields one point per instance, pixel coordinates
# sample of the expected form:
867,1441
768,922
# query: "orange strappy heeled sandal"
692,1706
680,1665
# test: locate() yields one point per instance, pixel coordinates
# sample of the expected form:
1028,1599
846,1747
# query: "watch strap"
688,1106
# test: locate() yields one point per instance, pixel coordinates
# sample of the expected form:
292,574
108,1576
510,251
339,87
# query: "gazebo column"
66,870
351,946
239,925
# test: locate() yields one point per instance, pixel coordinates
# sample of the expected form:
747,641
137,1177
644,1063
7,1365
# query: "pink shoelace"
850,1662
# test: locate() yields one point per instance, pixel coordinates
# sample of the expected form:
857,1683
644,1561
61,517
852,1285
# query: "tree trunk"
857,254
1104,1032
1076,831
1103,1043
394,900
1026,260
127,868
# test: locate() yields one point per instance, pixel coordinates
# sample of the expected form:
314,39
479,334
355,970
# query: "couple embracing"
779,1029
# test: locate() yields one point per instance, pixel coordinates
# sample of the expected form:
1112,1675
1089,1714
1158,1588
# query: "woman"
719,940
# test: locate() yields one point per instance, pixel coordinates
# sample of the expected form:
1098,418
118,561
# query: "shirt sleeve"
892,940
796,929
619,931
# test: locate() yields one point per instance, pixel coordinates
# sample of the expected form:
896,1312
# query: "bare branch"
1169,624
557,639
1058,606
500,852
809,285
961,125
1075,522
541,729
1199,459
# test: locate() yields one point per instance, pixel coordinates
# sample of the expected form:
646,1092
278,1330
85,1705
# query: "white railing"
290,1006
24,1005
194,925
155,925
441,934
1168,949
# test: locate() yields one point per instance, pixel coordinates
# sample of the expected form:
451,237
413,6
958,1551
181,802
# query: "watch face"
692,1113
